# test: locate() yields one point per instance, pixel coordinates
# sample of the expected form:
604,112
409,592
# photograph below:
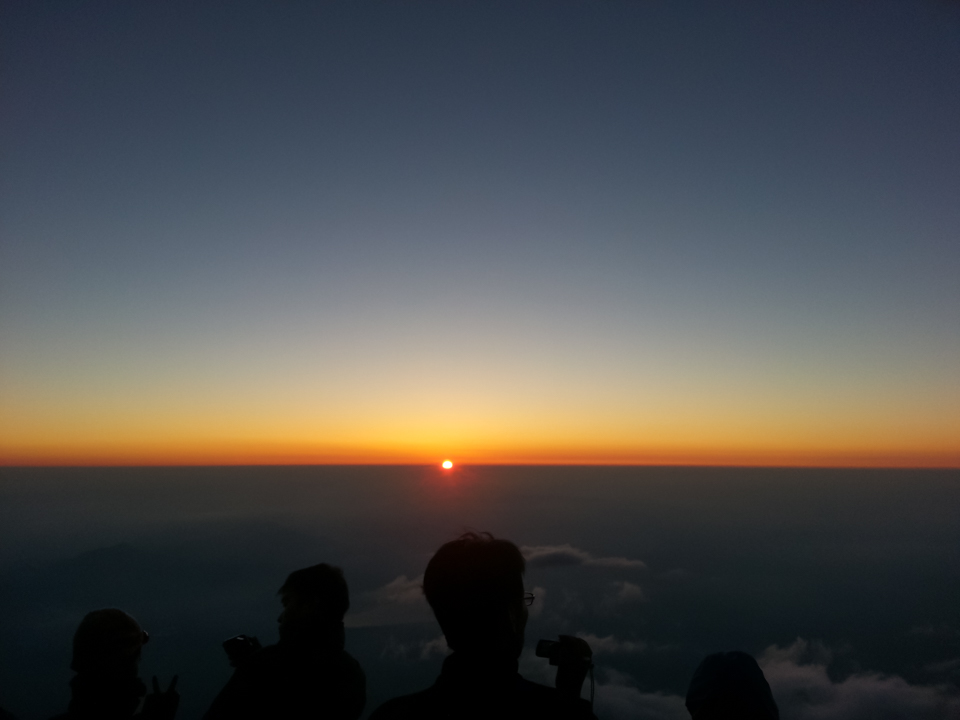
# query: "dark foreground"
843,583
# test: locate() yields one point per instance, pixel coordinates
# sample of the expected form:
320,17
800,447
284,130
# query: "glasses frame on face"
528,598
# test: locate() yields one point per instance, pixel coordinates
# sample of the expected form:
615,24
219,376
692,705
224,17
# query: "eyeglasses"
528,599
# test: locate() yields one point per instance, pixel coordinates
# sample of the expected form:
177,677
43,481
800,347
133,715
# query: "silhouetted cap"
107,640
730,685
322,584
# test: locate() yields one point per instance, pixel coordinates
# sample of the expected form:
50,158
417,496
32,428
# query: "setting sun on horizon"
761,452
654,418
635,243
676,283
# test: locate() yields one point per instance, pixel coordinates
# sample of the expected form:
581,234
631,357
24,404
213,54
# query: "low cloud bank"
610,645
798,677
420,650
624,593
399,602
804,691
544,556
623,702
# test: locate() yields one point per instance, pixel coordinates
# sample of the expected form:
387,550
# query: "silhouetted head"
108,642
730,686
475,586
315,600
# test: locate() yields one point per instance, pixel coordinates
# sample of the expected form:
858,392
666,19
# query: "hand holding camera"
573,658
240,647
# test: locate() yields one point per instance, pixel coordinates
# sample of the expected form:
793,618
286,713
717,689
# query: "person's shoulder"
347,660
415,705
346,675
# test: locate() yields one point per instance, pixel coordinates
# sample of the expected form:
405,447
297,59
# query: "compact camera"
573,659
240,647
568,650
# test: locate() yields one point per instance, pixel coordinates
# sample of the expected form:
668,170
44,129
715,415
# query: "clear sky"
653,232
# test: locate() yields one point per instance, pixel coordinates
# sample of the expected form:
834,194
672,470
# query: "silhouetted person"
730,686
307,674
107,684
475,586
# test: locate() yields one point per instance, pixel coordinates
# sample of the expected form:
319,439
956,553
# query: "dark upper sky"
403,229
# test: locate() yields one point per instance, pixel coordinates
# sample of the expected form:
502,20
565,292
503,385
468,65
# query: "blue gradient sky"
667,232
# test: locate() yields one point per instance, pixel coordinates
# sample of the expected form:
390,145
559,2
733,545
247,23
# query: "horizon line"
714,465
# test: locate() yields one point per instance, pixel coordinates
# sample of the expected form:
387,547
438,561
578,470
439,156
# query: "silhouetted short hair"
730,685
323,584
471,580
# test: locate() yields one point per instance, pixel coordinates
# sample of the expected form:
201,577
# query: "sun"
446,464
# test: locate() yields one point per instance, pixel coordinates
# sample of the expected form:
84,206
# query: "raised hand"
574,660
161,705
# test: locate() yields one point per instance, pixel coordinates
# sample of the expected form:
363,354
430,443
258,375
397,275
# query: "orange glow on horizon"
699,435
283,454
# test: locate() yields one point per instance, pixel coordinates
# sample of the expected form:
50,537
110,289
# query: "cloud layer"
623,702
399,602
797,673
543,556
422,649
801,686
805,692
611,645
